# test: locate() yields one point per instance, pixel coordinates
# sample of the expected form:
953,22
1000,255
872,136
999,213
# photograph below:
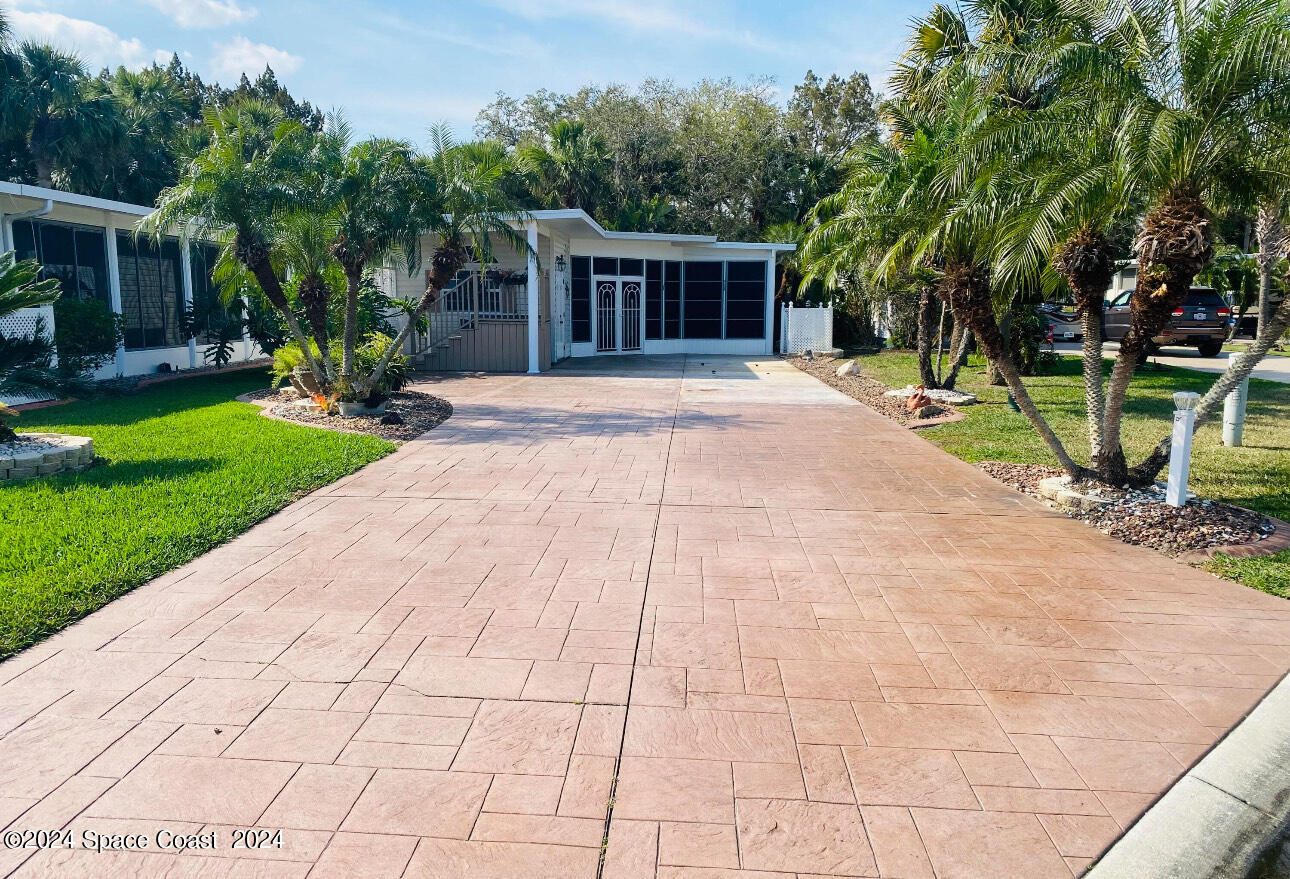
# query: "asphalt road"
1273,368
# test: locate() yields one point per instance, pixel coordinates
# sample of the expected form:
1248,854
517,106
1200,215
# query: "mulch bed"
416,412
858,387
1142,517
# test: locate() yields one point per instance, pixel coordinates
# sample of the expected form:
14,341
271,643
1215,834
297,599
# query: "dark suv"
1201,322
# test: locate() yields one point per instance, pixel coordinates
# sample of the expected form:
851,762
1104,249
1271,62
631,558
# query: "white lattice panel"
805,329
23,323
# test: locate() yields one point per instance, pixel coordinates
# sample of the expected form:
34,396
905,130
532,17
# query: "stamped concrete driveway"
734,619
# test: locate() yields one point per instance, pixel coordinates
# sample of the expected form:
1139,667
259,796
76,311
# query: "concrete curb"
1221,817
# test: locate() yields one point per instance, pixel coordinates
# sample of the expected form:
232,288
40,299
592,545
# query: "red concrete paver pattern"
751,627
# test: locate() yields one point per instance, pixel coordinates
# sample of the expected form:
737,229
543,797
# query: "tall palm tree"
571,169
302,249
1198,88
60,110
245,181
154,115
373,190
467,208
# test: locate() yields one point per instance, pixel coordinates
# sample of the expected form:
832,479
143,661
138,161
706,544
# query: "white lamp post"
1180,447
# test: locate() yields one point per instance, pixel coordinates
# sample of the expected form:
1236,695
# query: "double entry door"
618,314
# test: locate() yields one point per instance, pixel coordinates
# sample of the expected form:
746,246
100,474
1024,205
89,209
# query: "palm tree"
571,169
244,182
59,109
1198,87
302,246
373,190
25,361
466,206
154,116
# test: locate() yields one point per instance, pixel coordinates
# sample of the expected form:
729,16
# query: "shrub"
86,334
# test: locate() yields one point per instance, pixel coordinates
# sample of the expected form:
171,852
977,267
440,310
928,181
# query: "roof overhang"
57,196
577,223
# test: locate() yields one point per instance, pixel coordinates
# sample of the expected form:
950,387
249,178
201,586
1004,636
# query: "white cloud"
194,14
240,56
96,45
653,17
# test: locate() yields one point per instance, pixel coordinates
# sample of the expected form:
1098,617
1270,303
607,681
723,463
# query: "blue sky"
397,67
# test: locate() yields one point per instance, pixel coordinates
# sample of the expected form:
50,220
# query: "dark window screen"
605,265
580,299
703,300
653,299
75,256
631,267
209,313
151,291
672,300
745,300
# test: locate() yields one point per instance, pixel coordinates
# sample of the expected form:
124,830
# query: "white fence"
23,323
802,329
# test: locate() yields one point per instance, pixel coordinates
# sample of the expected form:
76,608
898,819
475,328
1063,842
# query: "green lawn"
187,468
1254,475
1237,349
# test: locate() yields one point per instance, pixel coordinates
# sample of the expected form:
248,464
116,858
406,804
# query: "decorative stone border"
73,453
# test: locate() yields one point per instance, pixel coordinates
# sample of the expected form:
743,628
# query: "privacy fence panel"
805,329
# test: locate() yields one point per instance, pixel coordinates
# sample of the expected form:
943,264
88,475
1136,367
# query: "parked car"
1200,322
1063,323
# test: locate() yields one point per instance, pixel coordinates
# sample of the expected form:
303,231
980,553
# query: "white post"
114,286
1180,447
1234,413
532,290
186,276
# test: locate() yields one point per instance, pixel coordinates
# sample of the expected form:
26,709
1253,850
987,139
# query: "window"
209,313
75,255
1122,299
605,265
745,300
580,299
151,291
672,275
702,292
653,299
632,268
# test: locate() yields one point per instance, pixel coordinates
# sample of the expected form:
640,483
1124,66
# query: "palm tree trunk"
1086,259
967,292
313,295
349,339
926,312
444,265
268,280
1238,369
1094,398
1173,246
960,356
992,371
1272,242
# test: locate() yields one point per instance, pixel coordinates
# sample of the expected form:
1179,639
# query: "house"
583,290
580,290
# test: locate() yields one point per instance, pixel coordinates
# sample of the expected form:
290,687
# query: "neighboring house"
585,290
89,244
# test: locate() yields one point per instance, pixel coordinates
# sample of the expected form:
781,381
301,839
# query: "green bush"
366,356
86,333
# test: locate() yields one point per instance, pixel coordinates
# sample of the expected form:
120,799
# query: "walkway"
738,619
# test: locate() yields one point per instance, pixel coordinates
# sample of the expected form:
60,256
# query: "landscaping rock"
44,454
1136,516
954,398
410,414
848,368
928,411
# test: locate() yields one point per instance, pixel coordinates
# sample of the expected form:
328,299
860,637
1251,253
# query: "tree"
62,114
570,169
237,190
1198,89
373,191
467,209
833,117
25,361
